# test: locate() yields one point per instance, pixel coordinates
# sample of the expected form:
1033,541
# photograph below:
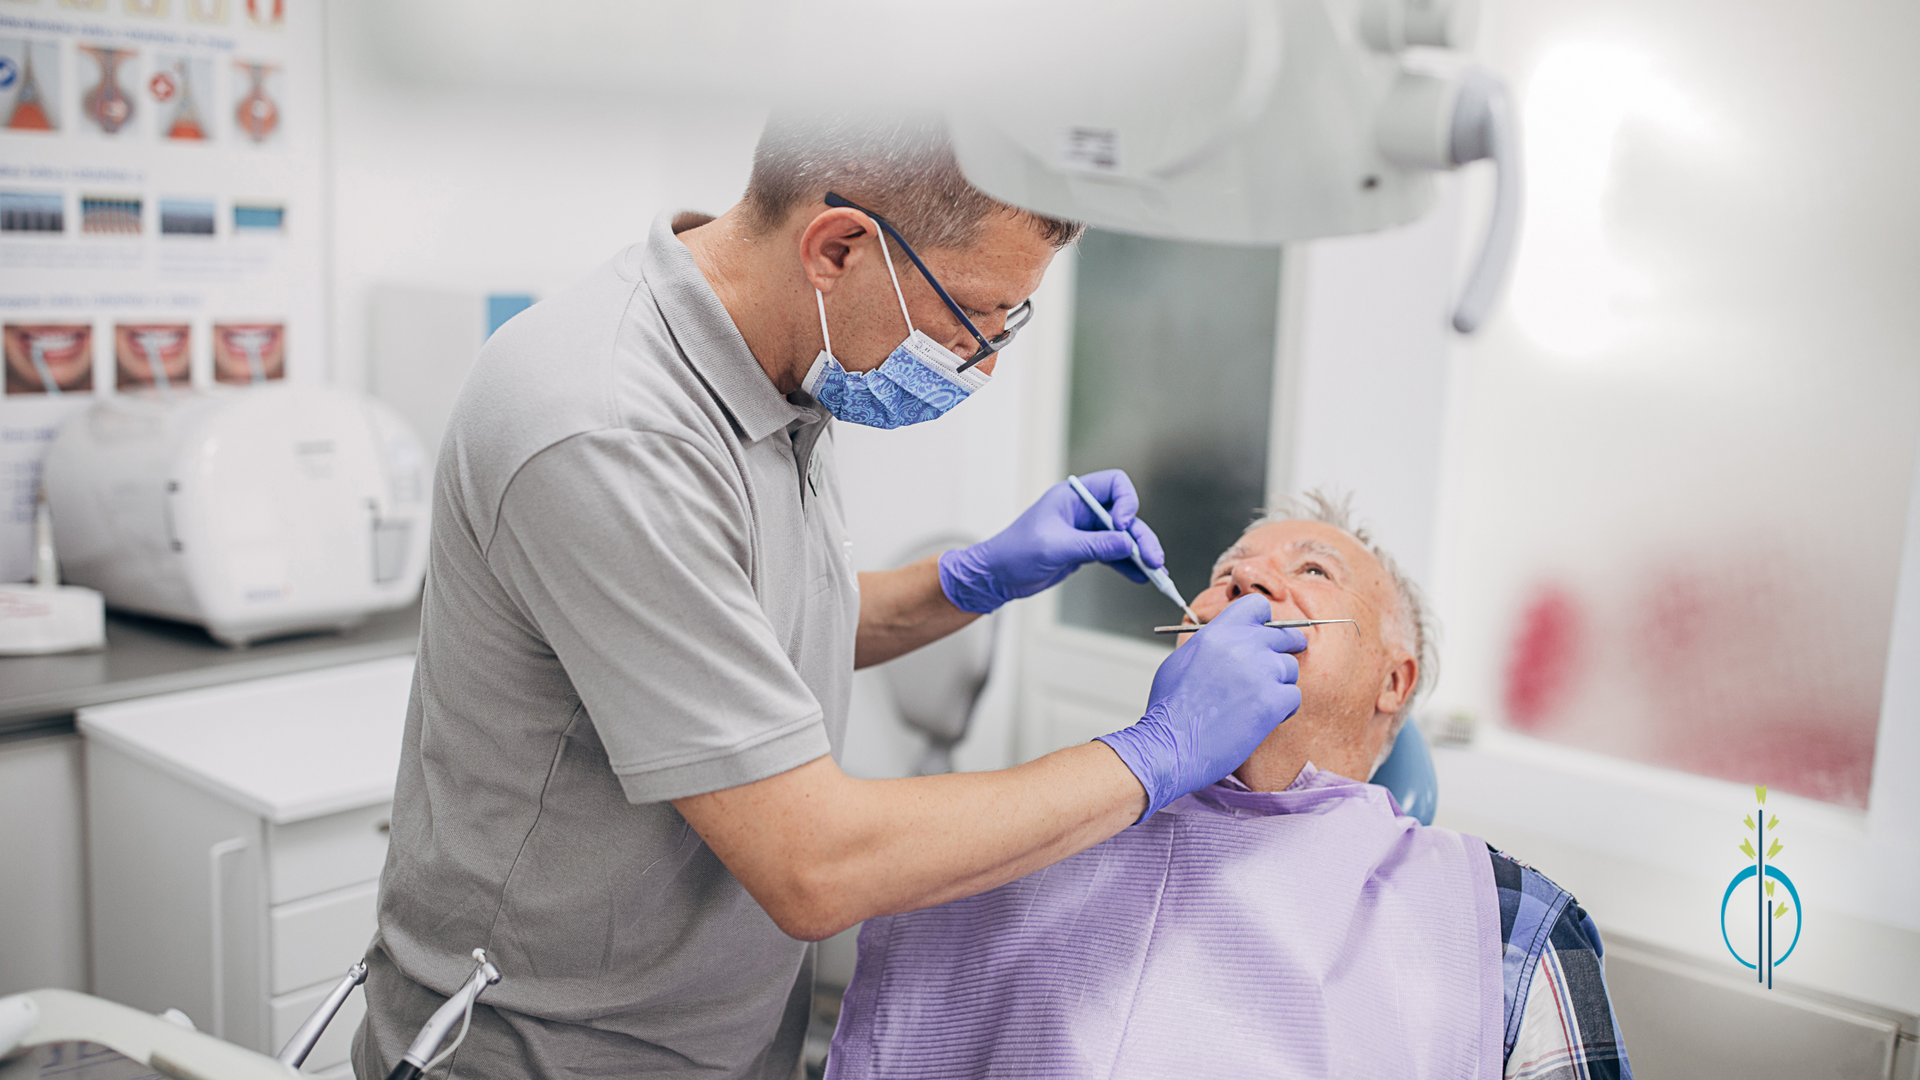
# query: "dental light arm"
1483,127
1442,123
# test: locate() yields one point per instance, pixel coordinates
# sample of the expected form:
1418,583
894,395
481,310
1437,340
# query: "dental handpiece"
1158,578
38,350
1277,624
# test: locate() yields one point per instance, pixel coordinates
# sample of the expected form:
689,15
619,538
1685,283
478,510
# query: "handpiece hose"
458,1008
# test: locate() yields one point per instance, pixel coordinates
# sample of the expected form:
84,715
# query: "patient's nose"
1250,577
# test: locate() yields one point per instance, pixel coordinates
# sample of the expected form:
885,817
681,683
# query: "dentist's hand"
1051,540
1212,703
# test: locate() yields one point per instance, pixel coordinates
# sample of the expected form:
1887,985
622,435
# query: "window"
1172,380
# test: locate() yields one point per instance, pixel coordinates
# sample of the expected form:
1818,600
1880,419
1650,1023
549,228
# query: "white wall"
1685,442
449,182
1695,418
957,476
487,185
1369,348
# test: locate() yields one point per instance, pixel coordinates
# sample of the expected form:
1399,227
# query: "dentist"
641,624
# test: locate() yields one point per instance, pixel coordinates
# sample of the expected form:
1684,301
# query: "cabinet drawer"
326,853
289,1011
320,937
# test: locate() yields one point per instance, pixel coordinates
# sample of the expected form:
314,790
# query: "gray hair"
900,167
1411,623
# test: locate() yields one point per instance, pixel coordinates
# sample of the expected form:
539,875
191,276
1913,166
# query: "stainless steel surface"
153,656
1278,624
452,1010
294,1054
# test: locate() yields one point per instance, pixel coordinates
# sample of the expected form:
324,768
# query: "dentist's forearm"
821,851
901,610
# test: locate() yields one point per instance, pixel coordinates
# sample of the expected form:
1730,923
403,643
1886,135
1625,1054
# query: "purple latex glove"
1212,703
1051,540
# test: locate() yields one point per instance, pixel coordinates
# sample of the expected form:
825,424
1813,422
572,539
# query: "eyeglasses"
1016,319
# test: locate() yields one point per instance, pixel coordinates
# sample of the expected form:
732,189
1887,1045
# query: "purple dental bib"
1310,932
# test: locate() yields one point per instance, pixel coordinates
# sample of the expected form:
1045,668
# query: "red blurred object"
1545,660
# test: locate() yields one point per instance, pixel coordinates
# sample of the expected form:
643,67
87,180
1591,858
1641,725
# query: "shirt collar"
711,342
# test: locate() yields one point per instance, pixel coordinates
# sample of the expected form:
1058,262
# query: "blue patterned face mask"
919,381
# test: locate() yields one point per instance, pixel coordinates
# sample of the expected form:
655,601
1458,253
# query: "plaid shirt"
1559,1020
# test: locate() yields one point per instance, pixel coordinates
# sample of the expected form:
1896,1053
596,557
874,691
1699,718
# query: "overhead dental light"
1249,122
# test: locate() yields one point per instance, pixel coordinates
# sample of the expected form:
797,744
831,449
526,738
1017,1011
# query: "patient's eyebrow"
1322,549
1297,547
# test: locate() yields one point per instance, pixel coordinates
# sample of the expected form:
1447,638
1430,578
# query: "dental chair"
1408,774
169,1045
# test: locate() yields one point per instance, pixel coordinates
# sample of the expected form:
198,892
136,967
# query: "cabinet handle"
216,907
384,826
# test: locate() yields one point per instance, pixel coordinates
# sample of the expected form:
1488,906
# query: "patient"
1287,921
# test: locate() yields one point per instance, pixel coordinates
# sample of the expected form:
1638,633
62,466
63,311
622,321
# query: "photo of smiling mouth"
163,339
249,352
55,346
151,355
48,358
245,339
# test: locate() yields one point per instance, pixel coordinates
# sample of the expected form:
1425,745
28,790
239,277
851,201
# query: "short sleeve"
629,551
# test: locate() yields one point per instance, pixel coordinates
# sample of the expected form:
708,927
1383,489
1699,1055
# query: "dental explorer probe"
1159,578
1277,624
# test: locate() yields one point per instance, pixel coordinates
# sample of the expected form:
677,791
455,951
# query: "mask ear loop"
897,294
886,256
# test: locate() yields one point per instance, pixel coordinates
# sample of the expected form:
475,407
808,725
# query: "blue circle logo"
9,73
1777,875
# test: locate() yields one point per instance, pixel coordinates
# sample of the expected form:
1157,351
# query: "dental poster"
160,202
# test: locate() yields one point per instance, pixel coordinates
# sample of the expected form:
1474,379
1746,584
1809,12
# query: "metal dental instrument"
1278,624
1159,578
294,1054
419,1057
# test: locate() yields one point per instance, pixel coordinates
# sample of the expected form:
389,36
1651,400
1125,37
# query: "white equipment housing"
1247,122
253,512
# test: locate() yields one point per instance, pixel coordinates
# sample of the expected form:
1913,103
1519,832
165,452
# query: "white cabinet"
236,840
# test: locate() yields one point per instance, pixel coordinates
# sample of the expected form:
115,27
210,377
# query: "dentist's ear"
829,247
1397,684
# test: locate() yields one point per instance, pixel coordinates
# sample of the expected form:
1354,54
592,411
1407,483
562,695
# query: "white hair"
1410,626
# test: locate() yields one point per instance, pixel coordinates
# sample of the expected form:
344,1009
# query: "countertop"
286,749
152,656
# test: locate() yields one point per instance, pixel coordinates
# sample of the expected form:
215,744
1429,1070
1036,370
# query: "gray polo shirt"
640,588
